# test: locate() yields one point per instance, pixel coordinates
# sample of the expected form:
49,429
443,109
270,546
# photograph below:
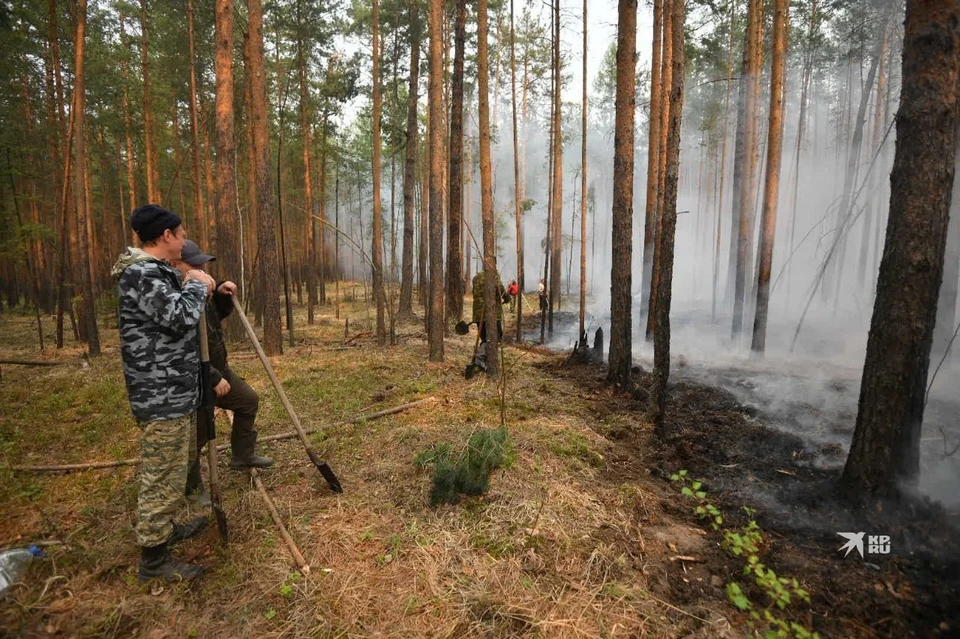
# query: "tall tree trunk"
771,191
744,172
517,187
377,247
321,234
423,278
200,213
455,285
886,441
583,192
225,196
153,178
410,167
653,159
668,227
621,349
127,128
491,294
666,78
435,102
267,267
81,198
556,251
306,131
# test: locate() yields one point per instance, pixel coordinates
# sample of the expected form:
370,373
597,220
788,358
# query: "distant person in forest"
480,359
159,313
231,391
542,292
513,290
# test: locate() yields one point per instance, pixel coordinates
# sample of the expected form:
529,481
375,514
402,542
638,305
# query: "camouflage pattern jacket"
479,293
158,336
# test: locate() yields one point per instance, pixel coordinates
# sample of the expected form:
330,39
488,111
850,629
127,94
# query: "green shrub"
469,472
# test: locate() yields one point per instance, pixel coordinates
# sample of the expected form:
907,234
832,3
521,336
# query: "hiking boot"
250,461
156,562
187,530
195,490
243,445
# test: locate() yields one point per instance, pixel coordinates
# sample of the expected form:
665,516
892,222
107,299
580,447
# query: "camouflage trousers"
165,449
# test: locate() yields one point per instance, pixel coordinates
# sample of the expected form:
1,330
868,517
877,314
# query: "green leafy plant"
746,543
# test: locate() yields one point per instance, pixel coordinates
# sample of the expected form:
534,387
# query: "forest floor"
584,535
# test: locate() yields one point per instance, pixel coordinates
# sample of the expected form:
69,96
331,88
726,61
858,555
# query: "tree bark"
490,277
556,251
153,179
668,227
268,269
225,195
771,191
663,111
435,102
620,359
377,247
653,159
127,126
583,192
306,130
517,188
886,441
410,167
455,286
81,196
743,170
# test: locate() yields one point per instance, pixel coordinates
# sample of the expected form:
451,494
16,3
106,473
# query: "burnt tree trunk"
376,249
653,159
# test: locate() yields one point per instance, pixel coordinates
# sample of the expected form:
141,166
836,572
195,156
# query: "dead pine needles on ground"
553,547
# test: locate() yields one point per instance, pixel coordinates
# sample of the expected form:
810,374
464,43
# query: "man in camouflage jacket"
158,316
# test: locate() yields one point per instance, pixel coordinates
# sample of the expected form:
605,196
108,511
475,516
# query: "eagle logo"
854,540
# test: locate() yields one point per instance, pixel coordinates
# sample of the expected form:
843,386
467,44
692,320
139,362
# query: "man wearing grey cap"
159,313
231,391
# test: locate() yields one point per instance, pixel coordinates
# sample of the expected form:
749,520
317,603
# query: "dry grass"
555,549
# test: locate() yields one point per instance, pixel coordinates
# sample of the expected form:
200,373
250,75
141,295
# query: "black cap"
192,255
151,220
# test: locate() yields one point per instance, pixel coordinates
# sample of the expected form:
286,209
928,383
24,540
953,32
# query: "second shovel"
321,465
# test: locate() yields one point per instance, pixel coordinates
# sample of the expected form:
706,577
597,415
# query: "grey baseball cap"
192,255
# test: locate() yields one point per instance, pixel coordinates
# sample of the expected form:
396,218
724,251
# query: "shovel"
207,414
321,465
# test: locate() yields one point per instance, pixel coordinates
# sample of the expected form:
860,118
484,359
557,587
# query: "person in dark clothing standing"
231,391
159,311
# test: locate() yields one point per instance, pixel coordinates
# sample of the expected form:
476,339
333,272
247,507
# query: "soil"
743,461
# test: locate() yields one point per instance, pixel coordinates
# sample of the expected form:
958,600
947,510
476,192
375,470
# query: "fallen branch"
301,563
72,467
692,560
32,362
270,438
358,336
